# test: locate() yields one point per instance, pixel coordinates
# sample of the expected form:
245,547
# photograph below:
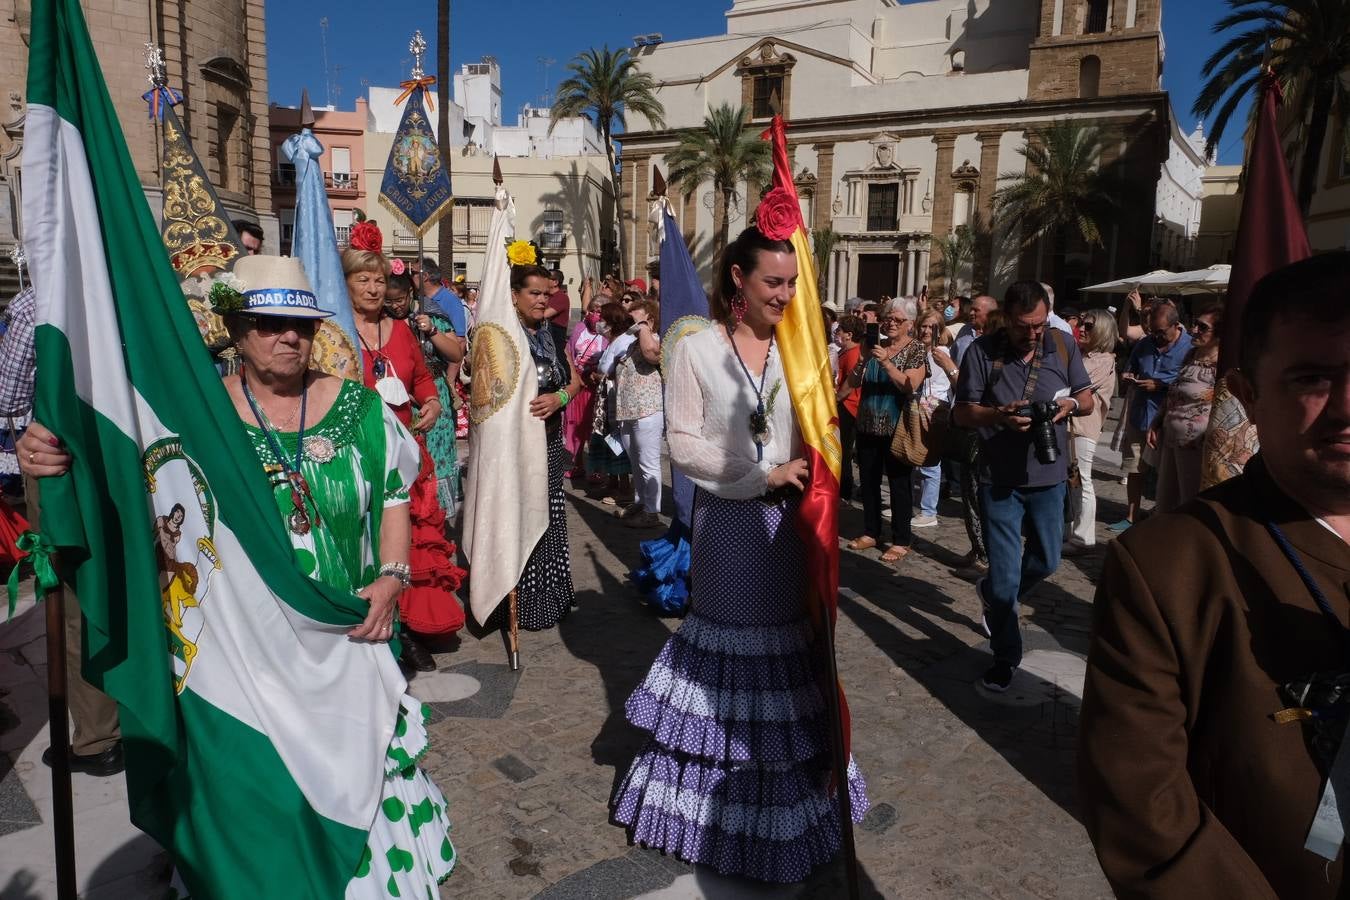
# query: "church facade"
903,118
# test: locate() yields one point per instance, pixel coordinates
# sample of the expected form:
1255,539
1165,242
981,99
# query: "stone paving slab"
972,795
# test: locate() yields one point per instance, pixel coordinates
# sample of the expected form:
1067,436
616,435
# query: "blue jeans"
930,486
1014,572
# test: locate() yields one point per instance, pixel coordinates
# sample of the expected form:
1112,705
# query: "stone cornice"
824,129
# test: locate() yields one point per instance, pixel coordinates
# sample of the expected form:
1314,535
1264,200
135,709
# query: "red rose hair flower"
778,215
366,236
397,266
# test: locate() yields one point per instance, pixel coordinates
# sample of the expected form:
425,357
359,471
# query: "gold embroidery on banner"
195,233
496,371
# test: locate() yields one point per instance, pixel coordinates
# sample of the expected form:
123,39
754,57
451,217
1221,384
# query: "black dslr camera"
1042,416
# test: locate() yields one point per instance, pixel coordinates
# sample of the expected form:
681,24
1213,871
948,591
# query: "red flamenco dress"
429,606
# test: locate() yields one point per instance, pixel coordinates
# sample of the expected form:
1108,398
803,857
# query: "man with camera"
1017,388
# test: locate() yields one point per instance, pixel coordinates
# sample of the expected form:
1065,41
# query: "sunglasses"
1202,328
270,325
1088,323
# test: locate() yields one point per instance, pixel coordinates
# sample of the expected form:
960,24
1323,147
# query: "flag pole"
840,760
513,629
63,808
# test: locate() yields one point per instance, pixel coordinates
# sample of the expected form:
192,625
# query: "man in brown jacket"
1191,786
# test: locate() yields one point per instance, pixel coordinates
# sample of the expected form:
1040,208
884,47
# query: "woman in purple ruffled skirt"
736,774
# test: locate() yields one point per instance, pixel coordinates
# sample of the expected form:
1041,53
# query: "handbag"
920,437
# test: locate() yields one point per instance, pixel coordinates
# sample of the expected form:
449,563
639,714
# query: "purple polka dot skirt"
736,773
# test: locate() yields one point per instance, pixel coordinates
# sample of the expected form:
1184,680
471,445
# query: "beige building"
902,117
1220,211
215,53
1328,219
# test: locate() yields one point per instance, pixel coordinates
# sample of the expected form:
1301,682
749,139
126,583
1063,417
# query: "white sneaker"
923,522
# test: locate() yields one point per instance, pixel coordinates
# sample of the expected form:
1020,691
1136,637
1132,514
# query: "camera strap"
996,372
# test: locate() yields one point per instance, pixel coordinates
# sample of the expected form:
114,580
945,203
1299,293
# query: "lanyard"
299,520
1308,581
759,423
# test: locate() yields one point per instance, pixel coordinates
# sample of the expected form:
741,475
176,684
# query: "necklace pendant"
320,448
299,522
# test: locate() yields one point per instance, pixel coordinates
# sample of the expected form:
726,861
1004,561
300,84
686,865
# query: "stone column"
924,266
636,209
823,214
942,195
984,205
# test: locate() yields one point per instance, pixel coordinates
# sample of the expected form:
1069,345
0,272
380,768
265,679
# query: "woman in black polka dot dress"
736,771
544,593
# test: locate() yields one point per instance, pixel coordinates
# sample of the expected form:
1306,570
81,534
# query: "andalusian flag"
806,368
255,732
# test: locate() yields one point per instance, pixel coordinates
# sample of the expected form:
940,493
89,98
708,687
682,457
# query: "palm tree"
823,242
1063,193
725,153
1307,43
955,255
604,86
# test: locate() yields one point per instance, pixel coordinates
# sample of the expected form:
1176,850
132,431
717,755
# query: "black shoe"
998,678
415,656
100,765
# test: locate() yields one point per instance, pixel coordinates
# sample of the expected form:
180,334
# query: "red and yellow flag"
802,344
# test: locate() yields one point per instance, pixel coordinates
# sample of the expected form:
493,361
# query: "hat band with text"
283,297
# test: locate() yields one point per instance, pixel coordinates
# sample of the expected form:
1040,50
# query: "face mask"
949,313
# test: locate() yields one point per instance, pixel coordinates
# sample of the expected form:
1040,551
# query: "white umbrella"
1213,280
1125,285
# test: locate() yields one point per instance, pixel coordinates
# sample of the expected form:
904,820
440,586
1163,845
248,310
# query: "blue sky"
362,46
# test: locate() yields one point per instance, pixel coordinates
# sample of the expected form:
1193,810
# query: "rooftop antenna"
327,83
547,62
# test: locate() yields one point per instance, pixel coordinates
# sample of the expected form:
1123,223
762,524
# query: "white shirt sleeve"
701,451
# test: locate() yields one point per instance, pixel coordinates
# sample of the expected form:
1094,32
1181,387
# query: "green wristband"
563,397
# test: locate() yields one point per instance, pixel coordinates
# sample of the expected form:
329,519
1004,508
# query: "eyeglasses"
1202,328
272,325
892,321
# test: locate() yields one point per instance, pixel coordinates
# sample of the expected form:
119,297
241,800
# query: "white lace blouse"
709,401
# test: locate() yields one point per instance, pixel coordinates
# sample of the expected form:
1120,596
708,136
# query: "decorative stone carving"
766,55
883,151
805,182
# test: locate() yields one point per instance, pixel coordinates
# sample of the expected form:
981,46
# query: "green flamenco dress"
358,461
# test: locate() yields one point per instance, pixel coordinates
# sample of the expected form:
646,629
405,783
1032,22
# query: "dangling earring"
738,307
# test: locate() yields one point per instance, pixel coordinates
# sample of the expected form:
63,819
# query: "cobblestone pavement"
972,796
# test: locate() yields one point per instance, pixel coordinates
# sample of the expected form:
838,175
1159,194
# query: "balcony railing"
341,183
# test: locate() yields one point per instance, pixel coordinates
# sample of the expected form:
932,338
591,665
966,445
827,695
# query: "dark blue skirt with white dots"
736,772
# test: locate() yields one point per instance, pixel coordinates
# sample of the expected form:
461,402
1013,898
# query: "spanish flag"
806,368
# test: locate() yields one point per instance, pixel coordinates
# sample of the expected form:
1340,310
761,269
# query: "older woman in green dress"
341,466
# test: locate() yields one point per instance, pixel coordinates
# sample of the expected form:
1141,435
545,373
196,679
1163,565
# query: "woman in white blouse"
738,721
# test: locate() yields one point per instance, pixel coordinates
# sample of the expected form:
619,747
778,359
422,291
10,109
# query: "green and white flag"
255,731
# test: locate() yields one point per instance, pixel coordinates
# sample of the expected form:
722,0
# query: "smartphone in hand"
873,336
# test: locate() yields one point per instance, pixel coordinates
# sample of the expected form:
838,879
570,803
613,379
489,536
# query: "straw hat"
276,286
